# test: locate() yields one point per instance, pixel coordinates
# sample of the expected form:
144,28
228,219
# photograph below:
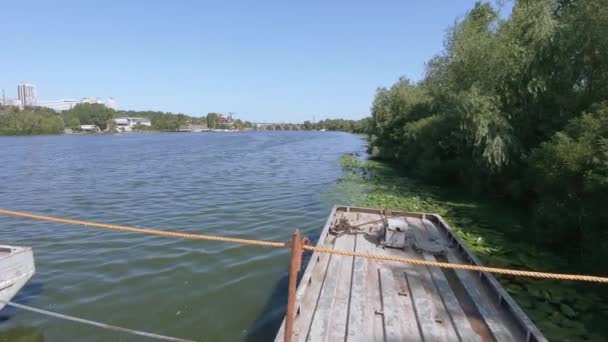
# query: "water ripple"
250,185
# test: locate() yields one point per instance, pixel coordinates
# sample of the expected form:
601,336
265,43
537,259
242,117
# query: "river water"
257,185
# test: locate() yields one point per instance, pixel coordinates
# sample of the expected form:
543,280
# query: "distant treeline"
29,122
517,108
354,126
40,120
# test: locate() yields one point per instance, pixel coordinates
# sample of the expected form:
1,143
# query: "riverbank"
498,234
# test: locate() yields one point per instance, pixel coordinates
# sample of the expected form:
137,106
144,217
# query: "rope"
93,323
418,262
146,230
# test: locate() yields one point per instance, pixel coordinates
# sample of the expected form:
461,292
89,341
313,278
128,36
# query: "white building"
61,105
111,103
126,124
26,93
58,106
91,100
90,128
12,102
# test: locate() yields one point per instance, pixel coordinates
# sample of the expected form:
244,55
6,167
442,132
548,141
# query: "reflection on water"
254,185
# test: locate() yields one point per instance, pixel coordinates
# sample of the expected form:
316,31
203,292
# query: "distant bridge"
273,126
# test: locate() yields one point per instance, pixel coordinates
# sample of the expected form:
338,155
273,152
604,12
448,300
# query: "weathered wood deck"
344,298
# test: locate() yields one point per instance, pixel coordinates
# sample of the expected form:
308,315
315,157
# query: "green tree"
502,109
212,120
27,122
91,114
570,173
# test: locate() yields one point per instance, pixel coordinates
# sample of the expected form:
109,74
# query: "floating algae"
497,234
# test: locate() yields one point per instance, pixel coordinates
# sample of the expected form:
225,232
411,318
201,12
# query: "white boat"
16,268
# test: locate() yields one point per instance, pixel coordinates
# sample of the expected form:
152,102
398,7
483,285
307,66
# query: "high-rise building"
26,93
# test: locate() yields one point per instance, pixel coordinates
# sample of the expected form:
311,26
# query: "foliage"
510,107
39,120
161,121
239,124
570,172
98,114
354,126
493,231
29,122
89,114
140,127
212,120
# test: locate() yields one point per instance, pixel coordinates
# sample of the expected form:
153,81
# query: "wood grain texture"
355,299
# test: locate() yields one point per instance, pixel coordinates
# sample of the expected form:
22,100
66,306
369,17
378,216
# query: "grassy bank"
499,235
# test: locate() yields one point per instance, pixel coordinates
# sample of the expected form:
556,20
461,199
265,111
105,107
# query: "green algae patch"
498,235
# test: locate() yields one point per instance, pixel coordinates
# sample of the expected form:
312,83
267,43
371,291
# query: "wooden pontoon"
16,268
344,298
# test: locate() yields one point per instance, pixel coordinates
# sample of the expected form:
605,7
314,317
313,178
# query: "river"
257,185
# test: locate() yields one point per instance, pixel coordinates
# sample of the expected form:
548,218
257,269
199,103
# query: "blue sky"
264,60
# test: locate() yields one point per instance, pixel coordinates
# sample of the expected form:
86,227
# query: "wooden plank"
363,322
431,313
307,299
491,291
357,322
343,305
456,314
310,286
312,282
454,310
400,320
501,294
377,326
329,321
431,318
341,300
410,318
488,312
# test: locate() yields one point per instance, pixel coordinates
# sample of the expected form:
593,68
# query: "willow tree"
510,106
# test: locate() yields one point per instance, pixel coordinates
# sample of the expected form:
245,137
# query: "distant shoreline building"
91,99
26,93
27,97
63,105
11,103
58,106
111,103
90,128
225,119
126,124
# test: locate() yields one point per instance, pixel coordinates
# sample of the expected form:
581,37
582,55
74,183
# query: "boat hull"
341,298
16,269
